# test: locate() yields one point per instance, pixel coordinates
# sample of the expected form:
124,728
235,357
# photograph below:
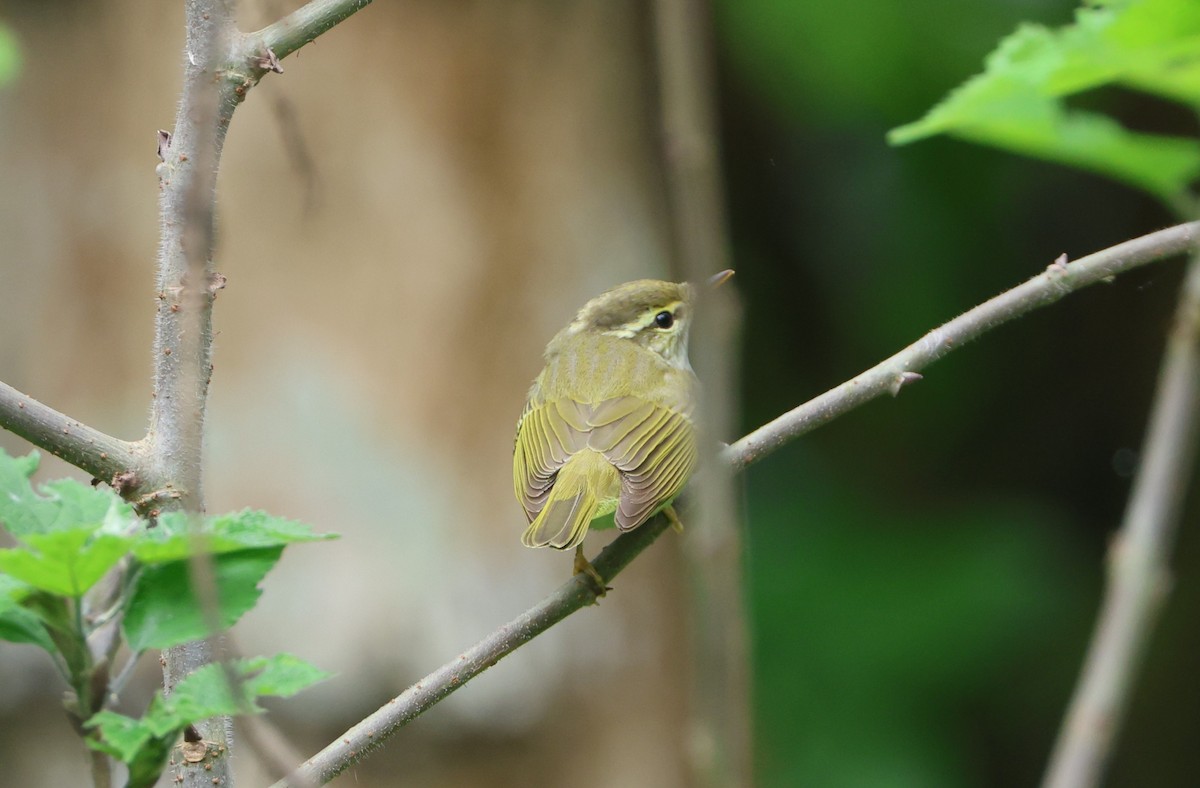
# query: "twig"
576,593
122,677
101,455
1060,279
304,24
101,769
889,376
1138,572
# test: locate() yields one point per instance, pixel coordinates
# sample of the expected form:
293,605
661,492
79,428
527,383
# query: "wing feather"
653,446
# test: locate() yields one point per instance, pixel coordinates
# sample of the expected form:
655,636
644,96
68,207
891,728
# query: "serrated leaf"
66,563
163,611
131,742
1158,42
120,736
1017,103
204,694
282,675
18,625
56,613
61,505
176,537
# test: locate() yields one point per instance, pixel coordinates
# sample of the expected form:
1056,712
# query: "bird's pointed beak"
718,279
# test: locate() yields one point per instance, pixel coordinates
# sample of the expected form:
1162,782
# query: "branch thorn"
904,379
123,482
269,61
216,281
164,144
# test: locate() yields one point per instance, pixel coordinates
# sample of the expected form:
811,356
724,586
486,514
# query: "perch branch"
576,593
1138,572
101,455
1061,278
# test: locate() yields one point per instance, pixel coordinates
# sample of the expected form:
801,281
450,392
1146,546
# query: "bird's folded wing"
653,446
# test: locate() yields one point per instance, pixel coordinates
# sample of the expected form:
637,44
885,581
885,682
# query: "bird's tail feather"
564,520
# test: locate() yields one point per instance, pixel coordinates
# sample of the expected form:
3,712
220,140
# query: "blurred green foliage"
925,571
10,55
1018,102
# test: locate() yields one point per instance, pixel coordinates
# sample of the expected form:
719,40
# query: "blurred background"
427,194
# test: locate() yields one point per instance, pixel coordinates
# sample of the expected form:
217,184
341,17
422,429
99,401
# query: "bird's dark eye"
664,319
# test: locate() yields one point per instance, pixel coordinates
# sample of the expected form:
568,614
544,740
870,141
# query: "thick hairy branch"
218,72
186,288
220,66
891,375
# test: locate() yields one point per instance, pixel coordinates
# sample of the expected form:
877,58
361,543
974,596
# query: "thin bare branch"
576,593
1138,558
303,25
101,769
101,455
1060,278
889,376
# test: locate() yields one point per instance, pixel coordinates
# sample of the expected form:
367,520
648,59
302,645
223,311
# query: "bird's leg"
676,526
584,567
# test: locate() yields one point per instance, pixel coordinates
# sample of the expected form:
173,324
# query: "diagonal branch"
891,375
576,593
1138,570
304,24
101,455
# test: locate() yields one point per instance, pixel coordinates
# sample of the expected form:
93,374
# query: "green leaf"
61,505
163,611
17,624
57,615
131,742
282,675
10,55
176,538
145,743
66,563
206,693
1017,102
120,736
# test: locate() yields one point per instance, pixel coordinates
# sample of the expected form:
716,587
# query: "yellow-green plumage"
607,428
